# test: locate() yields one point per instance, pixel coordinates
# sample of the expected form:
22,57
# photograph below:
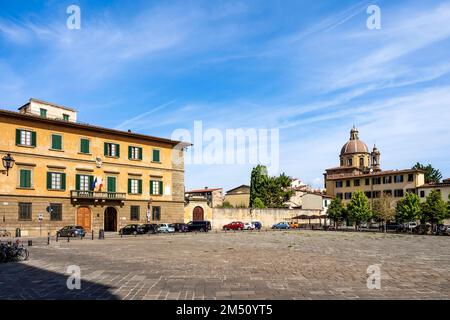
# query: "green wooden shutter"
84,146
49,180
18,137
156,157
151,186
129,185
140,186
56,142
33,139
111,184
105,149
63,181
140,153
77,182
91,182
25,178
117,150
130,152
160,187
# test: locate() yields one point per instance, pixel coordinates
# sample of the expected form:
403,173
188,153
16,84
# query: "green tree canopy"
358,208
434,209
336,211
408,208
257,183
432,175
258,204
383,210
273,192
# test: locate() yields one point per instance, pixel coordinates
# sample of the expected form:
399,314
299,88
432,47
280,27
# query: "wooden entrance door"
110,219
198,214
84,218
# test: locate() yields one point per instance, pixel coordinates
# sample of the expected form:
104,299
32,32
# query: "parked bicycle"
13,252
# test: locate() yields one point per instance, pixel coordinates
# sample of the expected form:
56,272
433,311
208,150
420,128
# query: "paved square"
243,265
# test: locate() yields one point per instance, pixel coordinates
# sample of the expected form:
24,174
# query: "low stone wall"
267,217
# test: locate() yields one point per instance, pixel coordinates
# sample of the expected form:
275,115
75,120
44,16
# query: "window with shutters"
25,178
43,113
66,117
25,138
112,150
56,181
84,145
134,214
56,142
156,156
156,187
156,213
84,182
25,212
134,153
134,186
56,211
111,184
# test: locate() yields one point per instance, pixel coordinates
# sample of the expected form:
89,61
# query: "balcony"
97,195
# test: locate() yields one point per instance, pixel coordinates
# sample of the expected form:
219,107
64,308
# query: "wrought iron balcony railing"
97,195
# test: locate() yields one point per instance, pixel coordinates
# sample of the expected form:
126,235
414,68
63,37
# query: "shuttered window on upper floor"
112,150
25,138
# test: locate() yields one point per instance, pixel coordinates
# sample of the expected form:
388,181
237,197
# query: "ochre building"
360,169
68,173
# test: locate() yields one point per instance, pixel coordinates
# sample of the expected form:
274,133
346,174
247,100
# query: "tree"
336,211
408,208
226,205
383,211
358,208
257,182
432,175
434,209
276,191
258,204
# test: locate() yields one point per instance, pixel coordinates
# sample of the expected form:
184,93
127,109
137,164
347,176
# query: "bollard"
101,234
92,234
48,238
57,236
68,238
121,233
30,243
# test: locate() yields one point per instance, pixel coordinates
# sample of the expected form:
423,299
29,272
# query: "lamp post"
8,163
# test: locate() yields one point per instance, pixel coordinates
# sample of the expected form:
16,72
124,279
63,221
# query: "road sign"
40,217
49,209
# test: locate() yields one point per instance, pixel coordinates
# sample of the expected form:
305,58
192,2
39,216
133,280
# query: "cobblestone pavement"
242,265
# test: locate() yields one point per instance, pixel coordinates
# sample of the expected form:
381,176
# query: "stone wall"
267,217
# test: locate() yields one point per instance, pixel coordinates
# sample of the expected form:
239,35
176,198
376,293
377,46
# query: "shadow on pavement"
24,282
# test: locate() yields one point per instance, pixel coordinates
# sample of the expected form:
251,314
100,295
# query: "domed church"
360,169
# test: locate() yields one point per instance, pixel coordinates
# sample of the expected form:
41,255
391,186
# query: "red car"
236,225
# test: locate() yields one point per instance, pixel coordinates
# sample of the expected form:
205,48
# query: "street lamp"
8,163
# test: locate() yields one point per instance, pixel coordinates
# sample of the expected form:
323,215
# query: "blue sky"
312,69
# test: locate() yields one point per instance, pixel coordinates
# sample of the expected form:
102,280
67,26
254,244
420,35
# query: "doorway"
198,214
84,218
110,219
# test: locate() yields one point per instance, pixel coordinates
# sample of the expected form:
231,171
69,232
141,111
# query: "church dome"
354,145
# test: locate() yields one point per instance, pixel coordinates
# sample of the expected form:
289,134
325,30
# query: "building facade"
360,170
214,196
239,196
67,173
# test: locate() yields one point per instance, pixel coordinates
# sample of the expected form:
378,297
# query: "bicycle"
13,252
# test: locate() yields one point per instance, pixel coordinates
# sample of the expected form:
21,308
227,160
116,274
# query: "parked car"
442,230
422,229
394,226
410,225
72,231
235,225
249,226
166,228
130,229
199,225
281,225
257,224
329,227
293,225
181,227
148,228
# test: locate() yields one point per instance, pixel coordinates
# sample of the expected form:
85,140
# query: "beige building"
214,196
68,173
361,170
239,197
443,188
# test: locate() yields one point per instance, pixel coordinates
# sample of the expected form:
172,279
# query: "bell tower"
375,159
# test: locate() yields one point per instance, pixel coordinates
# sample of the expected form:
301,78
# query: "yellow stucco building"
68,173
360,169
